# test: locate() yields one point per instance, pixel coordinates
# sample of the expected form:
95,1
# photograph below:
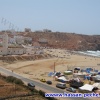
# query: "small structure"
43,41
46,30
19,39
28,40
96,78
36,44
27,30
68,72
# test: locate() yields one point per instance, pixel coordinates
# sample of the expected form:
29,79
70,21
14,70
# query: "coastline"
85,53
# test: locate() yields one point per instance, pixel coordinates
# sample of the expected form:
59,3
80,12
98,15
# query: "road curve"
41,85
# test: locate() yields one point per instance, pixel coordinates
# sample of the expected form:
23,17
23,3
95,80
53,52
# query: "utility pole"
54,71
54,67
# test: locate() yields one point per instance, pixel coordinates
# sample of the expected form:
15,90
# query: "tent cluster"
88,73
79,76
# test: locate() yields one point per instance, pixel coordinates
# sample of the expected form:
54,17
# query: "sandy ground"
40,68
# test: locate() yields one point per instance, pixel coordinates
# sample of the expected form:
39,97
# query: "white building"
19,39
11,40
13,50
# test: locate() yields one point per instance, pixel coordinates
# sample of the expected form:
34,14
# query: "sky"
76,16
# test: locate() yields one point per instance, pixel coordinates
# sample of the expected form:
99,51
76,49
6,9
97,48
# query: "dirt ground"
9,89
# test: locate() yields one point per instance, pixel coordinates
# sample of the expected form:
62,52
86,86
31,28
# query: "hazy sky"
79,16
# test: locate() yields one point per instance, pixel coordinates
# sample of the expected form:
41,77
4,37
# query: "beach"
61,59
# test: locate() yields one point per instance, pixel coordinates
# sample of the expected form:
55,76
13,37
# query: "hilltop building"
27,30
46,30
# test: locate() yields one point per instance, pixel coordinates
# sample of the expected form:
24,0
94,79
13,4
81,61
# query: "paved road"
41,85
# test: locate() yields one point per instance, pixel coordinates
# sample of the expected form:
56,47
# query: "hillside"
70,41
10,90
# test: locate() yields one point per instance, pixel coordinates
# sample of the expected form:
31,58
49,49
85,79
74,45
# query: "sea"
90,53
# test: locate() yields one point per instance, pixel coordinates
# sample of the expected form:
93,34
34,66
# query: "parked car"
49,82
71,89
75,84
31,85
42,80
61,85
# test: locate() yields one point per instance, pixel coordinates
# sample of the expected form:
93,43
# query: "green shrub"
10,79
14,80
42,93
51,98
18,81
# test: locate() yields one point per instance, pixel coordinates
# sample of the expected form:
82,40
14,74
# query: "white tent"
96,85
97,77
86,87
62,78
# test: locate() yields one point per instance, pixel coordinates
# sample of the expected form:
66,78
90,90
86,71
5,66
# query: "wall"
13,51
